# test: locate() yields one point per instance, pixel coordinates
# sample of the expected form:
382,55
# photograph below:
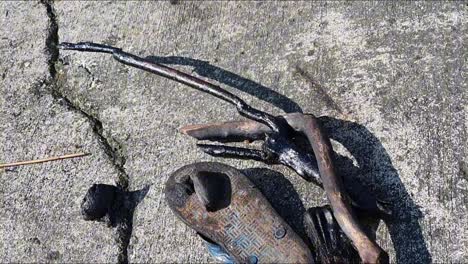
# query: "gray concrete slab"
40,217
388,77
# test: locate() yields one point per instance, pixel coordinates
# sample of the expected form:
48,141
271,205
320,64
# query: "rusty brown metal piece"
249,130
242,221
368,249
228,131
332,183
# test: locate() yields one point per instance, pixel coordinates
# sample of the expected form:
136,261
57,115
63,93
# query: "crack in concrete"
111,147
113,152
52,37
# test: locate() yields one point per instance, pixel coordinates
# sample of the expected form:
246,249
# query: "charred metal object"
226,209
331,243
279,147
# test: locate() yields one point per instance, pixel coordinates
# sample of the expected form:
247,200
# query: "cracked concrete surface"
40,219
395,75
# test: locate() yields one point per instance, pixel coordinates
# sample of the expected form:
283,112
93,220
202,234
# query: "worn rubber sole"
221,204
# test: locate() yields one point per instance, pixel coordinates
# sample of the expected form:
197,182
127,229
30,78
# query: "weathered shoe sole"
220,203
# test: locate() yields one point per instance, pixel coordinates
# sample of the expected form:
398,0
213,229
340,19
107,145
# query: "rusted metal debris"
218,202
278,134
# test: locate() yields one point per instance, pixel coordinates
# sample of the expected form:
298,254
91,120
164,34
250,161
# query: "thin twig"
20,163
319,89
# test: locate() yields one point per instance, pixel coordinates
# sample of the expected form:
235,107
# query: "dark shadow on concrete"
375,170
282,196
205,69
115,207
125,225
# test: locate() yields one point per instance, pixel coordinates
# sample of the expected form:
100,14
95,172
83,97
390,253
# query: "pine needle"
20,163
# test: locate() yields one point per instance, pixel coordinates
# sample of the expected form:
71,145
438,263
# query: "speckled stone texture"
389,78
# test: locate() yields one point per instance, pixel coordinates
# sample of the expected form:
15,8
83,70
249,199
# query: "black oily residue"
102,203
115,207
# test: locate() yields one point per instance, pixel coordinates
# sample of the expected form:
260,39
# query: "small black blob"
98,201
